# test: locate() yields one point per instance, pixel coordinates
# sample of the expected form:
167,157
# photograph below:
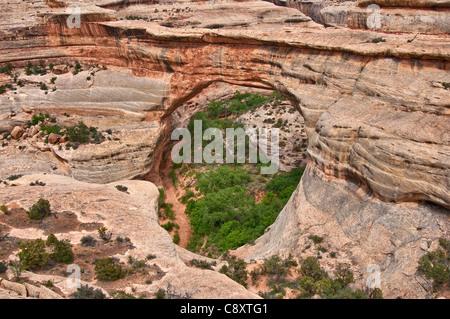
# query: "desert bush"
316,239
136,263
86,292
51,240
236,270
3,267
121,188
187,196
88,241
343,275
4,209
160,294
310,267
107,269
81,134
376,294
39,210
161,200
62,252
176,237
203,264
13,177
168,226
276,267
104,233
120,294
32,254
434,265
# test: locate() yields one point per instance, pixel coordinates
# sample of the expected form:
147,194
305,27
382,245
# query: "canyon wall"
428,17
376,115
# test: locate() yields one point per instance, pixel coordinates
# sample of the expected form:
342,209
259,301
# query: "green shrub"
376,294
444,243
81,134
3,267
434,265
176,238
343,274
86,292
276,267
203,264
160,294
4,209
32,254
168,226
310,267
120,294
168,211
39,210
62,252
378,40
121,188
236,270
308,287
187,196
104,233
43,86
13,177
88,241
161,200
316,239
106,269
36,119
51,240
136,263
51,129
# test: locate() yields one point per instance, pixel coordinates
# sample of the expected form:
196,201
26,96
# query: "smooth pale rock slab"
14,286
46,293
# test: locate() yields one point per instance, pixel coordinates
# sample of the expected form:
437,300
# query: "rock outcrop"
132,214
375,107
387,16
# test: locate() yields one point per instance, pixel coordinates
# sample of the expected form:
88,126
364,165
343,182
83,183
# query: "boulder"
32,291
14,286
46,293
60,69
17,132
54,138
33,131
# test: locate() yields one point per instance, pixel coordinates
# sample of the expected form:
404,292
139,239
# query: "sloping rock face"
376,114
392,16
132,214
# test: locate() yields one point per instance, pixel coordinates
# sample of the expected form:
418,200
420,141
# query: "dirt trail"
179,209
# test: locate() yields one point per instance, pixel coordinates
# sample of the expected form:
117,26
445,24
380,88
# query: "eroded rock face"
376,114
132,214
392,16
364,231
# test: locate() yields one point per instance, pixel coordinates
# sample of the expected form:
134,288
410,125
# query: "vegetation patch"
435,265
107,269
39,210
